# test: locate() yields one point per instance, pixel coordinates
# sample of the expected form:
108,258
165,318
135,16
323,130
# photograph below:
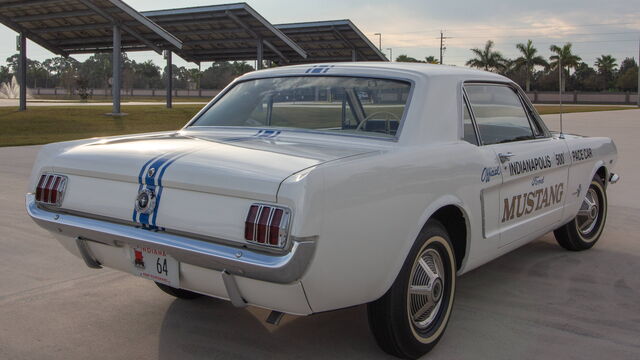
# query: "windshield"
347,105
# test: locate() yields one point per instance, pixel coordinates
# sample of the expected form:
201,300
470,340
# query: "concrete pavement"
536,302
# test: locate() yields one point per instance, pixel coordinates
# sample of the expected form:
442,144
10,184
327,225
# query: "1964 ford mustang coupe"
305,189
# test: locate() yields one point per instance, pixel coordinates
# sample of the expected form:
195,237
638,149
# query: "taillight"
267,225
50,189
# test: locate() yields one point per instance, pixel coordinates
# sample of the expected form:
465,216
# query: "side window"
469,130
498,113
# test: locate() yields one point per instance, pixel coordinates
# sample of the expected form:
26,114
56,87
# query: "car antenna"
560,91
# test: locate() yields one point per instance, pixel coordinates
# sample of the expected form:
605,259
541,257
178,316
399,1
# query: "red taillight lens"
250,223
267,225
50,189
274,227
40,187
262,225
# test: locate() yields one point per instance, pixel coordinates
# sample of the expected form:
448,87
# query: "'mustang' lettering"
527,203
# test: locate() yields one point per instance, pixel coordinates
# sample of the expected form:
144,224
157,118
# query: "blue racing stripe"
160,187
142,172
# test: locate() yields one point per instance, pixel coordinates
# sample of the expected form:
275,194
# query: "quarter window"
499,114
469,130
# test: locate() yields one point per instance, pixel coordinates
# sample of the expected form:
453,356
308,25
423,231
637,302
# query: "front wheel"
409,320
585,229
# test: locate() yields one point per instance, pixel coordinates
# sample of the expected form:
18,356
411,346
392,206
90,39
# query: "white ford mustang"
304,189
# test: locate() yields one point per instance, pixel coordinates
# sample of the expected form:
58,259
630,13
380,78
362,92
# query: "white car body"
357,203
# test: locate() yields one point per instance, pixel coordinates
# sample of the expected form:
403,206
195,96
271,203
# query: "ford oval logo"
145,201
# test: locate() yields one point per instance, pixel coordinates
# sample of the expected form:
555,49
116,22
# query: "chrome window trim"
395,138
514,87
465,103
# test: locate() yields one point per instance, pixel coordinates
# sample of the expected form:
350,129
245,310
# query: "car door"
533,164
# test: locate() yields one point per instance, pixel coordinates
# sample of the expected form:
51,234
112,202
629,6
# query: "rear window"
348,105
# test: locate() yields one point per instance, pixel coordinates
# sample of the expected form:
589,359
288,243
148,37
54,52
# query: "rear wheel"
409,320
585,229
179,293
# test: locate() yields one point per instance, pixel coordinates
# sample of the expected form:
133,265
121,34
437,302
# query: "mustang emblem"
146,201
151,172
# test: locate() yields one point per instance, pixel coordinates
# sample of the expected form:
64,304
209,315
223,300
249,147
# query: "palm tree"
606,65
566,57
487,58
528,60
432,60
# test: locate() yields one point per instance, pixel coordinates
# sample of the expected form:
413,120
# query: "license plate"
156,265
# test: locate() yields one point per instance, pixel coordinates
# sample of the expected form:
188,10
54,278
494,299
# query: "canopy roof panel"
326,41
84,26
225,33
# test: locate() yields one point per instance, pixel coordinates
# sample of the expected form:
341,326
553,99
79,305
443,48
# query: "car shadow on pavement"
213,329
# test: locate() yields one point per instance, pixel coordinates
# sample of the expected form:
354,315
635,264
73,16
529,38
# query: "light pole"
638,72
390,54
379,40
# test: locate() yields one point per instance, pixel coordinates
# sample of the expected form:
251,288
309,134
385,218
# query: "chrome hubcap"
426,289
587,218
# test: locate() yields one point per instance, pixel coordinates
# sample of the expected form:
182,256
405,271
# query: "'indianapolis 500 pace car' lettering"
524,204
529,165
581,154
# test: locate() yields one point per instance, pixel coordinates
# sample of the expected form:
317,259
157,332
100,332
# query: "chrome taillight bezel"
253,223
50,189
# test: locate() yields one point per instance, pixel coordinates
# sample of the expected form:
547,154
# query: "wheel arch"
450,211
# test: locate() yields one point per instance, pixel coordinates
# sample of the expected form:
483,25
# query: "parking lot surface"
536,302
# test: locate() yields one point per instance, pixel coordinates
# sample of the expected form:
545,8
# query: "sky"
412,27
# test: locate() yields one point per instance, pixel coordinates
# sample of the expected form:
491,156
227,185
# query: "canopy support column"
22,69
115,83
260,53
168,55
354,55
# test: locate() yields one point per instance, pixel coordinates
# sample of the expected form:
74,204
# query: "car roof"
390,68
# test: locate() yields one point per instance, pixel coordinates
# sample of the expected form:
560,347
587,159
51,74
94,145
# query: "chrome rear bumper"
276,268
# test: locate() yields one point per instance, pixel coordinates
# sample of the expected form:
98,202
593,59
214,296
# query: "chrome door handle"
504,157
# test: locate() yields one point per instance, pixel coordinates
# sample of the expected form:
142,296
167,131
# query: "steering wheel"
389,116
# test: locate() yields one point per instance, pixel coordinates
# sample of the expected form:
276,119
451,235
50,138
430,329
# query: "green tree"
566,57
405,58
528,60
431,60
606,65
585,77
627,79
5,74
97,70
194,75
487,59
241,67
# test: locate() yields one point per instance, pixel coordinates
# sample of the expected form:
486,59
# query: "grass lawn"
125,98
41,125
555,109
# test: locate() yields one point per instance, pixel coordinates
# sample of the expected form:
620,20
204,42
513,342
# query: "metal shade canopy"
338,40
227,33
67,27
84,26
